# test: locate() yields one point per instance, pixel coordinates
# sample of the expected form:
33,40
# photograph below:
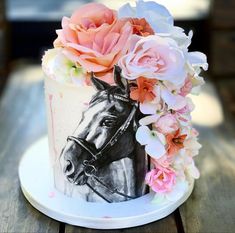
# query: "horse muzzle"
73,175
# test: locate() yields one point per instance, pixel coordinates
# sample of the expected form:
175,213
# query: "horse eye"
108,122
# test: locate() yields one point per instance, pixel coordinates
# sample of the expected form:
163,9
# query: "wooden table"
211,207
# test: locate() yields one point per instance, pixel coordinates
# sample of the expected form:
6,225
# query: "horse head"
106,132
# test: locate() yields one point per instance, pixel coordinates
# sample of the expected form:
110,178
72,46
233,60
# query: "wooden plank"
223,52
226,89
211,207
22,121
2,49
2,11
223,16
165,225
3,45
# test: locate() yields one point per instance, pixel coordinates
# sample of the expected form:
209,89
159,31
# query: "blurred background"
27,28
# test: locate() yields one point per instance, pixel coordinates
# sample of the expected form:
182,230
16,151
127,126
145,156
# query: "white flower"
152,141
173,100
192,146
177,192
196,61
156,15
192,170
184,159
154,106
183,115
159,19
153,109
57,66
147,120
184,163
165,100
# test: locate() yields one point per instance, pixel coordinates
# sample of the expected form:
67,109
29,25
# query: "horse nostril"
68,168
69,165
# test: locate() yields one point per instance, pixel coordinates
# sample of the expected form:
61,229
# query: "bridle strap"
119,132
82,143
109,189
98,193
112,190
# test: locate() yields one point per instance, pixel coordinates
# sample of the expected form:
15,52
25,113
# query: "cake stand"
37,184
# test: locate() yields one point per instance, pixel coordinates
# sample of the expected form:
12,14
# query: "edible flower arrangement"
153,55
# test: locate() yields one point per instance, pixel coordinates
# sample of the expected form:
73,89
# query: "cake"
117,91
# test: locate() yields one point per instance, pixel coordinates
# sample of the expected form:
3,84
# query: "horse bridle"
90,166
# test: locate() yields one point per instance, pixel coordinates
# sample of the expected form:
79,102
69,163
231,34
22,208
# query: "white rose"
159,19
57,66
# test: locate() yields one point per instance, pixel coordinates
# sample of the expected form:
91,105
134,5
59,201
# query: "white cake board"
37,184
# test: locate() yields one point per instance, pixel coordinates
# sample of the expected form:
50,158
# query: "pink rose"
156,58
94,38
167,124
161,179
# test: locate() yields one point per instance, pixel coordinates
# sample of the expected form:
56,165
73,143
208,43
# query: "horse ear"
99,84
120,81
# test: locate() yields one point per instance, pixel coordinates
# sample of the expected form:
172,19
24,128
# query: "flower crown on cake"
153,55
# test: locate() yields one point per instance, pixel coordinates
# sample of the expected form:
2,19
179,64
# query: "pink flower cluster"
153,55
164,73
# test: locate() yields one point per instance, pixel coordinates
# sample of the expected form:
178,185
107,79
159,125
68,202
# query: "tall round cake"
117,94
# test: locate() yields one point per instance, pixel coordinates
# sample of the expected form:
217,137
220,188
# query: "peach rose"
94,38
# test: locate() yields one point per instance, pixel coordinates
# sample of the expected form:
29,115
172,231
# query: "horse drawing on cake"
103,153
